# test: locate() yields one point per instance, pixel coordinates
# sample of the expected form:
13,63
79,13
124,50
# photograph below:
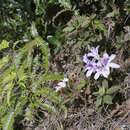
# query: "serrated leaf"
112,89
10,77
8,120
45,50
4,61
50,94
64,108
51,76
9,91
107,99
29,112
47,106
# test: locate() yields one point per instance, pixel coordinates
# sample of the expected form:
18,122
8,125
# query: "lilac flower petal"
91,54
112,57
113,65
105,55
97,75
100,65
89,73
65,80
57,88
105,73
85,58
97,48
62,84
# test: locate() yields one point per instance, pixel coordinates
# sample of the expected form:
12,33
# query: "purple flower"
106,60
85,59
61,85
104,64
98,65
94,52
101,70
90,67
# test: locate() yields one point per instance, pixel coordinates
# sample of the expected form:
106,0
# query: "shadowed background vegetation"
41,42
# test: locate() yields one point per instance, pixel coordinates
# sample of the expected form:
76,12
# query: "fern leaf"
47,106
45,50
4,61
29,112
7,121
51,76
4,44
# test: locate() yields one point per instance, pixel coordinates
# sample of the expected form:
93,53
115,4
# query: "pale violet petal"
85,58
113,65
105,73
62,84
89,73
57,88
97,48
65,80
96,76
90,54
112,57
105,55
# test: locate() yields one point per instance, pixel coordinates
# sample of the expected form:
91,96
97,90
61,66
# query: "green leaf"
113,13
8,120
34,30
4,44
98,25
47,106
102,90
68,29
64,108
10,77
29,112
105,83
51,76
45,50
15,43
50,94
65,3
4,61
10,86
98,102
53,40
96,93
112,89
83,83
107,99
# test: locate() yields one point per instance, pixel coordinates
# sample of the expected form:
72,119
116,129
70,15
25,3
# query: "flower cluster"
98,65
61,85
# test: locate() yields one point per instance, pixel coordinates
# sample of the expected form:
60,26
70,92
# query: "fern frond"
51,76
4,44
8,120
